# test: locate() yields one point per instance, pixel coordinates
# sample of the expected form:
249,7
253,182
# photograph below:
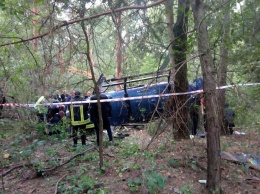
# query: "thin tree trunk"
91,66
90,62
35,23
119,53
61,61
212,121
169,19
34,73
222,73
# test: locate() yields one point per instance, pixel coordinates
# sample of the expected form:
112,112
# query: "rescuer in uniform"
79,119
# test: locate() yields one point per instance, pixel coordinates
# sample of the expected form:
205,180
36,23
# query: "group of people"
83,115
65,97
197,111
196,107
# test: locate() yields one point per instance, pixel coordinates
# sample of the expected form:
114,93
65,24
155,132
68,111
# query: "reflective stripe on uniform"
81,121
84,122
81,113
90,125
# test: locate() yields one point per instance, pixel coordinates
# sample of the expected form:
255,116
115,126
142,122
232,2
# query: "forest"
54,45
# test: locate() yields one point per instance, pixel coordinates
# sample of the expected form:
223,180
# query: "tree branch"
66,23
47,169
56,186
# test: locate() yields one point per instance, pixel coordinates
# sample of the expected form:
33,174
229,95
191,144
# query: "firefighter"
79,119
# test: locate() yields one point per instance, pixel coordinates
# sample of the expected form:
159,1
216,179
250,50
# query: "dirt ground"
166,166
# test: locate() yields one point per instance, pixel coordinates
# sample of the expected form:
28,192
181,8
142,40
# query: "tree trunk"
90,62
179,47
222,73
212,121
35,23
169,19
34,73
119,53
117,19
61,61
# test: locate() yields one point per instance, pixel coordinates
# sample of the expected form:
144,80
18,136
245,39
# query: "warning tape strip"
124,98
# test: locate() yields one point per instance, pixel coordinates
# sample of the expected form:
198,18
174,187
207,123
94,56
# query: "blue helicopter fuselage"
138,110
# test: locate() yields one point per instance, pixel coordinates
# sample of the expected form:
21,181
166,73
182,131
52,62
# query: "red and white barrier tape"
124,98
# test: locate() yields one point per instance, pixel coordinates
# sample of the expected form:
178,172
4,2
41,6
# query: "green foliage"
173,163
90,157
40,128
78,183
129,149
2,4
245,100
244,168
134,184
234,177
194,165
136,166
150,155
154,181
187,189
152,129
124,168
225,145
98,191
102,169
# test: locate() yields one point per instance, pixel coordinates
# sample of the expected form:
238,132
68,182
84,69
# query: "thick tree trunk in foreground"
212,121
179,48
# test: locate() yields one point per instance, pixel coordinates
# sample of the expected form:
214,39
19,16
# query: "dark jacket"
55,119
57,97
79,112
63,97
106,111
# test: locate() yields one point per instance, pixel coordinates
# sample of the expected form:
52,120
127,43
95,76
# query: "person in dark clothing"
79,118
57,96
54,118
69,99
64,95
195,105
229,119
106,113
2,100
52,126
194,114
71,96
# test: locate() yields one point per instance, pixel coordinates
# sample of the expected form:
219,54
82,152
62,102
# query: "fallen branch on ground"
56,186
13,168
46,170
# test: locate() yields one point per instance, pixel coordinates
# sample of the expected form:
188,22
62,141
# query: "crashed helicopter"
136,104
142,102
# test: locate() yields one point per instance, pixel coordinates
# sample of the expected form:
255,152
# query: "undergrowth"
130,161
